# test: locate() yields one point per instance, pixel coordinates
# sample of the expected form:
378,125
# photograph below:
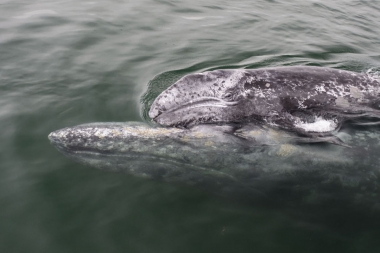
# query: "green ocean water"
64,63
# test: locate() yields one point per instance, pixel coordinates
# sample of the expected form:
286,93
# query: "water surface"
64,63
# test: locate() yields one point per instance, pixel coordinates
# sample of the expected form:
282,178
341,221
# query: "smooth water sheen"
65,63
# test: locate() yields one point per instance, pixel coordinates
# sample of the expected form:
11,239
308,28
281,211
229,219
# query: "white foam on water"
320,125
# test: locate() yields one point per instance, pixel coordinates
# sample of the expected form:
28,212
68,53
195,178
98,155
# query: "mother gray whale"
311,101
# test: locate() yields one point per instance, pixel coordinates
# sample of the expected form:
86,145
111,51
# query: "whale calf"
311,101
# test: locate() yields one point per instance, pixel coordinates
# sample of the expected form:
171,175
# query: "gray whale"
265,166
311,101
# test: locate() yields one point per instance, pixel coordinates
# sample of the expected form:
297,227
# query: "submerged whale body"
311,101
321,180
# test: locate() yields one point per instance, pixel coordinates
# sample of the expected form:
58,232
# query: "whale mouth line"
200,102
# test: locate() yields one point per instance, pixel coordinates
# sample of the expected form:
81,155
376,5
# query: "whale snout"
52,136
59,139
70,139
154,112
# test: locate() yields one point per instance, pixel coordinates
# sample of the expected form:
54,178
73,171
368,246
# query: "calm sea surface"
64,63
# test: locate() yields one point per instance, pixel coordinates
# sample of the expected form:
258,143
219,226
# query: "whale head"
209,97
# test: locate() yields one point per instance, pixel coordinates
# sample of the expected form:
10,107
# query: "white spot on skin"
355,92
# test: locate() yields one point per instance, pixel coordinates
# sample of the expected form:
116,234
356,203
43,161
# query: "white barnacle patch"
337,90
319,125
259,93
373,75
320,88
301,104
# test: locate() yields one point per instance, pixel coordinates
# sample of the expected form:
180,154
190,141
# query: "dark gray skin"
287,97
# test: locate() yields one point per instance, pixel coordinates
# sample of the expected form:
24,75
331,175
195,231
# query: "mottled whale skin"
315,180
308,100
